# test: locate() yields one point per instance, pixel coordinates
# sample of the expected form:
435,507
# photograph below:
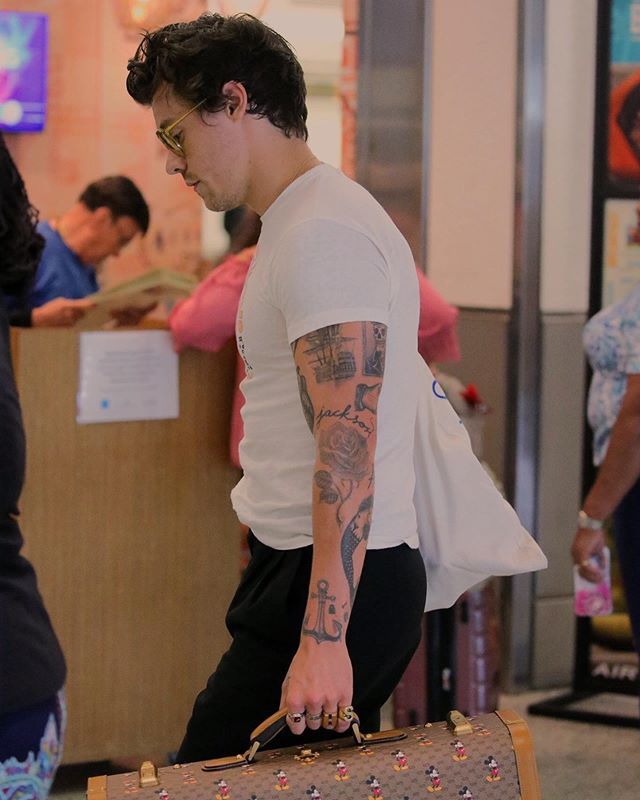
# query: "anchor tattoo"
319,632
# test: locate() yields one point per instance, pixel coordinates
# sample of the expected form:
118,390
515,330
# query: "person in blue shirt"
109,213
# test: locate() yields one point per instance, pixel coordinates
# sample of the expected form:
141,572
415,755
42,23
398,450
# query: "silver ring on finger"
314,717
295,717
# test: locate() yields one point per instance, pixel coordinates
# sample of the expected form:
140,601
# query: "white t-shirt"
328,253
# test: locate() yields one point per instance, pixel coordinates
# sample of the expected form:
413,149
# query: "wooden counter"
131,531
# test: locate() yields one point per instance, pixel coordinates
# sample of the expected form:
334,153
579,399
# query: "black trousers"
265,619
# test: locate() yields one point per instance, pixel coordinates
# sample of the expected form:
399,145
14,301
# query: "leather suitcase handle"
272,726
261,736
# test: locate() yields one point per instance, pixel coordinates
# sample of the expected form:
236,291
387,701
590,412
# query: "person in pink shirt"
437,336
206,320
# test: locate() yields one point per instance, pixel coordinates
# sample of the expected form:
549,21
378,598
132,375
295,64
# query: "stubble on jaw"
219,206
218,203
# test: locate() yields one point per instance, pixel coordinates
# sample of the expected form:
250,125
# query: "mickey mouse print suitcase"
489,757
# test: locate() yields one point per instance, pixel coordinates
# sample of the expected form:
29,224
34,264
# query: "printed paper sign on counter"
125,376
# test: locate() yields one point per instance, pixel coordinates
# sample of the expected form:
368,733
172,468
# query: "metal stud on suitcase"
476,758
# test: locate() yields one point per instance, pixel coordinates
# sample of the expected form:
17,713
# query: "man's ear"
102,215
236,97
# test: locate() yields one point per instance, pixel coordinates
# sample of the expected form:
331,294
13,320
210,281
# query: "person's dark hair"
246,232
232,218
195,59
121,196
20,243
244,228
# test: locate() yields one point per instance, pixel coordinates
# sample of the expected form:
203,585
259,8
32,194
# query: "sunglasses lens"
169,142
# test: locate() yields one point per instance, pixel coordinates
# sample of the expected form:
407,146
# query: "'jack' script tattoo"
346,415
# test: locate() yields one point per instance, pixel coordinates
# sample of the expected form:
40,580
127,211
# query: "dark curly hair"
195,59
20,243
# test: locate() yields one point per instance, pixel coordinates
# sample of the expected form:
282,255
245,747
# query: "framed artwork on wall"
23,71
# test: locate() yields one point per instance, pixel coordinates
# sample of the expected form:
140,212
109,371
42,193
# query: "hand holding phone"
594,599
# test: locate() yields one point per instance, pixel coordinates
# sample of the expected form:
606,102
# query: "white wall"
472,158
472,152
315,30
568,154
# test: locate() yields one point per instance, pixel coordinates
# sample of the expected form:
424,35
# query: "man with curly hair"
329,609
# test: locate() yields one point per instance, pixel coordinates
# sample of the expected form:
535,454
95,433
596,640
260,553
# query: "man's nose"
175,164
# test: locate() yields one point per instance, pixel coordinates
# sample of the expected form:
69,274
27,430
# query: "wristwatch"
587,522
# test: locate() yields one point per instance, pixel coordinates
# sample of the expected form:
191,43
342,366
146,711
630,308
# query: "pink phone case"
594,599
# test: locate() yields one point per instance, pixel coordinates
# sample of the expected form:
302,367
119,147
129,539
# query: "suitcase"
489,757
477,651
457,662
410,695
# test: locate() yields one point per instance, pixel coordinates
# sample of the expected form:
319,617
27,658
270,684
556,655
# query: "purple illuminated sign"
23,71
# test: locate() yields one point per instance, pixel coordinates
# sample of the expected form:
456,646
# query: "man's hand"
130,315
60,313
319,682
586,545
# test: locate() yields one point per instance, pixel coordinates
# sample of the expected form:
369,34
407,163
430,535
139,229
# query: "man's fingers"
83,304
590,572
76,309
330,716
314,717
131,315
293,701
283,693
345,715
296,720
69,316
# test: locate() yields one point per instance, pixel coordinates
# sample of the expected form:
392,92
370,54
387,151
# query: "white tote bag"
467,530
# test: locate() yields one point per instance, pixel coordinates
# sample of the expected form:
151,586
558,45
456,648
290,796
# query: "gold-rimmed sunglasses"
168,139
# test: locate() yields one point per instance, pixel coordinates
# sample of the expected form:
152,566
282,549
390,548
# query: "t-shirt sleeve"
326,273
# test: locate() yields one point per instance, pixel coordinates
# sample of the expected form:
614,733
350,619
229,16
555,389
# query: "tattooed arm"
340,370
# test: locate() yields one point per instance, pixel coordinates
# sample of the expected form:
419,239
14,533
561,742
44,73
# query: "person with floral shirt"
612,343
